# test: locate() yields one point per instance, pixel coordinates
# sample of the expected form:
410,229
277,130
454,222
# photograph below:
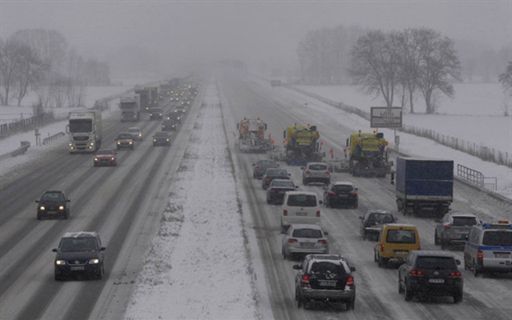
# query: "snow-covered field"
474,114
198,266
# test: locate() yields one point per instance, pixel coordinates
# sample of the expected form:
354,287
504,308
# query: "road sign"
386,117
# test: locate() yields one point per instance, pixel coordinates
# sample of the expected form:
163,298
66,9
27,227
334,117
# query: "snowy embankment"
197,267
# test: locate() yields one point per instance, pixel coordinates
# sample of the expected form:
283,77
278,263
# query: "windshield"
317,167
323,267
78,244
464,221
80,125
436,263
381,218
105,152
282,183
124,136
307,233
401,236
267,164
53,196
277,172
342,188
497,238
302,200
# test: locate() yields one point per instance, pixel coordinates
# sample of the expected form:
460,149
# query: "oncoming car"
53,203
136,132
161,138
105,157
125,140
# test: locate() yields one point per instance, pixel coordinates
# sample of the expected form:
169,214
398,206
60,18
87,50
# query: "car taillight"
381,247
285,212
446,226
323,242
350,281
307,172
480,257
353,193
455,274
318,213
416,273
305,278
331,193
292,240
257,167
327,173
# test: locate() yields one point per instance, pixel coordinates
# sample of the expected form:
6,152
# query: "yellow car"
396,240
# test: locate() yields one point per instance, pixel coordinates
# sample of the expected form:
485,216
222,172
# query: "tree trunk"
428,101
411,100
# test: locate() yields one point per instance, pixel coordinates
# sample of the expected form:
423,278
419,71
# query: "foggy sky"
189,31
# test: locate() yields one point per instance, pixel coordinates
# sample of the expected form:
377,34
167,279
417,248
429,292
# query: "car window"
108,152
78,244
53,196
323,267
464,221
427,262
342,188
302,200
307,233
124,136
285,183
317,167
401,236
277,172
497,238
267,163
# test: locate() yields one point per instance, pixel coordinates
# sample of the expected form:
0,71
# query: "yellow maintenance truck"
301,144
367,154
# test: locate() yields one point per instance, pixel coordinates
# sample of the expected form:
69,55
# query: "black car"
161,138
273,173
372,222
430,273
125,140
79,253
53,204
169,125
174,115
261,166
341,194
277,189
325,278
156,114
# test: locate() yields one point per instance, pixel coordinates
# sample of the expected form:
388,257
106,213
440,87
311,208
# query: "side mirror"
457,261
103,249
356,189
254,164
289,174
326,233
296,187
320,202
67,200
437,220
301,168
37,201
54,249
361,218
297,267
352,269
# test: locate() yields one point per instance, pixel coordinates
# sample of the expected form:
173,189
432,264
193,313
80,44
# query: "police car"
489,248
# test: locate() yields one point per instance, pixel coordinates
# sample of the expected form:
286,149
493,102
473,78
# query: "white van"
300,207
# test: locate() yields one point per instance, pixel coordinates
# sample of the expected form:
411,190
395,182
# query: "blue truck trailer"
424,186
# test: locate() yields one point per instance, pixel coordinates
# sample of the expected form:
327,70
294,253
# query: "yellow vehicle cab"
396,240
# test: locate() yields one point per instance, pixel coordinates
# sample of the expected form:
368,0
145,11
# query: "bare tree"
506,82
375,64
439,65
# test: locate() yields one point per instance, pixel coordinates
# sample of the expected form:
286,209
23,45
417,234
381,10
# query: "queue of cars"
323,276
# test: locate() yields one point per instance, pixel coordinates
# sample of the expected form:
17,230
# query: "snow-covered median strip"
197,267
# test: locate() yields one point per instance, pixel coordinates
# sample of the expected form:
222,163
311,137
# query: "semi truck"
148,97
130,108
301,144
424,186
84,130
367,154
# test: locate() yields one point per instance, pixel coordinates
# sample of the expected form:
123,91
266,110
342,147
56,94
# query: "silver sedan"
302,239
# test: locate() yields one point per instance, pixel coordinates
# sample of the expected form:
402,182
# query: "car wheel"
457,298
355,205
408,294
39,217
400,289
476,272
382,262
351,304
443,244
375,259
65,216
58,277
436,239
298,298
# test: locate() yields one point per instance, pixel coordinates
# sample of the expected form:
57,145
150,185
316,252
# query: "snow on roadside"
197,267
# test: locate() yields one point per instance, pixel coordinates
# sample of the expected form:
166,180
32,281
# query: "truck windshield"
80,125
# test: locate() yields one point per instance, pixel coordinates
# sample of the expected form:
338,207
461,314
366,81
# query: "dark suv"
372,221
341,194
326,278
430,273
79,253
273,173
53,204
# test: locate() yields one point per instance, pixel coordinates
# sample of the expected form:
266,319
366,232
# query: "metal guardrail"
52,138
477,178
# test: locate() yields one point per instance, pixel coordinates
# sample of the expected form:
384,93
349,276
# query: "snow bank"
197,267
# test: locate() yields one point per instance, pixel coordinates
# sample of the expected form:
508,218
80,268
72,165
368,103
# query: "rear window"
382,218
302,200
267,164
277,172
323,267
401,236
436,263
464,221
285,183
342,188
307,233
124,136
317,167
497,238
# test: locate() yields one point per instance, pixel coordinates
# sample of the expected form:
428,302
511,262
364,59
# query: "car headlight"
167,140
118,142
95,159
154,140
130,142
94,261
71,145
91,144
42,208
60,262
61,208
140,135
113,158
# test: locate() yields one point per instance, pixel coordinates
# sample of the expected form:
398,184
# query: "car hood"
79,255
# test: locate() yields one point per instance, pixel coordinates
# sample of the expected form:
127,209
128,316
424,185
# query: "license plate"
401,253
502,255
342,196
436,280
301,213
327,283
307,244
79,268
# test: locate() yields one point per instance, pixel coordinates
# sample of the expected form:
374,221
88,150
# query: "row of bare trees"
41,60
404,64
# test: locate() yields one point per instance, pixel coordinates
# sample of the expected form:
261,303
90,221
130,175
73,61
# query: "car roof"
313,163
327,257
306,226
292,193
124,133
398,225
162,133
343,183
462,214
280,180
53,191
134,128
433,253
80,234
378,211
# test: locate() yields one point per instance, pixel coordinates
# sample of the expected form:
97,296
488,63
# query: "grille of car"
77,261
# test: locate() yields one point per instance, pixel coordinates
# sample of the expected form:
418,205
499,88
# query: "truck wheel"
408,293
436,239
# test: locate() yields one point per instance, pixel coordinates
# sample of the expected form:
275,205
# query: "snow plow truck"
301,145
367,154
252,136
